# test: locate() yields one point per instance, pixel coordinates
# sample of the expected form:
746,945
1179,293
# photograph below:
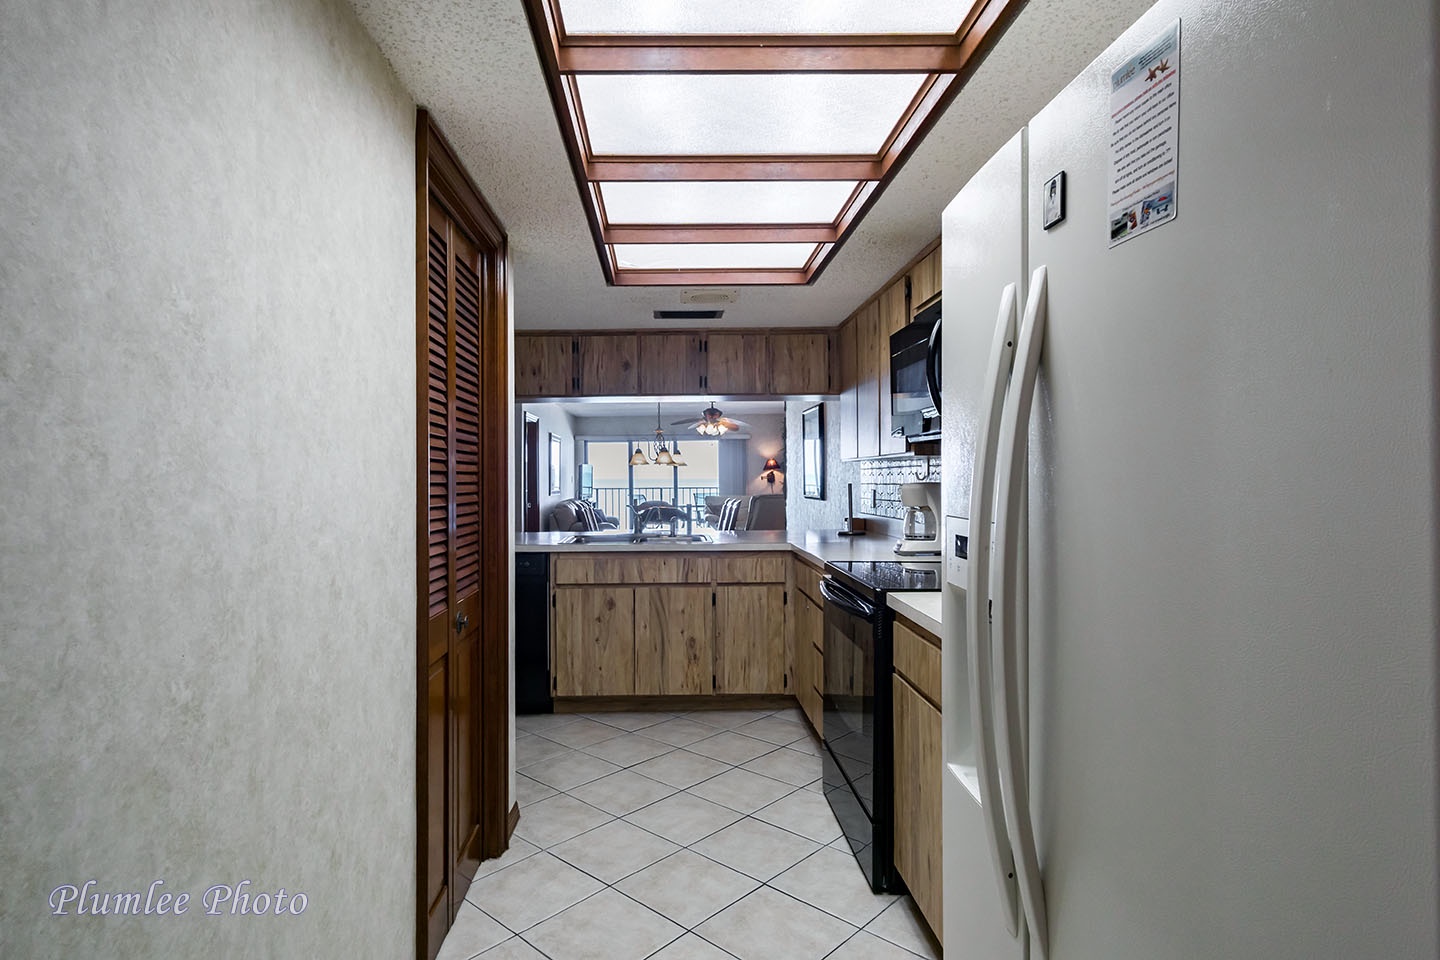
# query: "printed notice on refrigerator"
1145,138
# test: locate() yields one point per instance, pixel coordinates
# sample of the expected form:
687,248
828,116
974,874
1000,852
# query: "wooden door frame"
440,175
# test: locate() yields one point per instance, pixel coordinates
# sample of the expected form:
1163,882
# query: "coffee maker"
921,537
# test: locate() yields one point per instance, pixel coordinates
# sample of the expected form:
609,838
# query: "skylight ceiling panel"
725,201
691,17
712,256
743,114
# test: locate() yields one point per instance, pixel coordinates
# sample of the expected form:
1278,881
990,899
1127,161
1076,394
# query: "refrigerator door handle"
977,608
1014,646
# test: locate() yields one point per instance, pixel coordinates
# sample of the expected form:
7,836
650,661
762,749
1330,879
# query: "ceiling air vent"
712,295
689,314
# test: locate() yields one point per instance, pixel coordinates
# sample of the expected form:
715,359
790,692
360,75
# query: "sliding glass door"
618,485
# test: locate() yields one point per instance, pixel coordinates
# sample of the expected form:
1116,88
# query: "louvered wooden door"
452,822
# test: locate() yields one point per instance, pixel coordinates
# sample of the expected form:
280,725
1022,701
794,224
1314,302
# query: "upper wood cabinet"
544,366
894,314
847,342
609,365
672,363
863,369
925,279
867,379
799,363
737,363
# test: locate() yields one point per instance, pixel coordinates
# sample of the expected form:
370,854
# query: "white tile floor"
696,836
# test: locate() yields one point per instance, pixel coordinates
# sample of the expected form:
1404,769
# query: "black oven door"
849,687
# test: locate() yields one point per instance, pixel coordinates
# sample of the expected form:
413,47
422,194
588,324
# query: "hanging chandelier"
663,452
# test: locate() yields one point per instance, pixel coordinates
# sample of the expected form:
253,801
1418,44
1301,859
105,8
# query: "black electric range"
858,713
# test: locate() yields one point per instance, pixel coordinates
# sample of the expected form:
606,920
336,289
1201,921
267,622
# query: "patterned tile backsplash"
879,494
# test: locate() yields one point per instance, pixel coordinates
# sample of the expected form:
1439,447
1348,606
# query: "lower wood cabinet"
674,640
918,767
809,637
750,639
669,624
595,649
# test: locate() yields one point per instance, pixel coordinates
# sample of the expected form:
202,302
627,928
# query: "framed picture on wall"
812,452
554,464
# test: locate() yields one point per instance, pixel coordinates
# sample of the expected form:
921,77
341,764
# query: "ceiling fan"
712,422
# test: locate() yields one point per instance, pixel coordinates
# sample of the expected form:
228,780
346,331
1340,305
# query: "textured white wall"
554,418
828,515
207,481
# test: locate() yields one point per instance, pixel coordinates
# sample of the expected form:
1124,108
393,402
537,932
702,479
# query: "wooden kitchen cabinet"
867,380
634,568
608,365
809,640
925,279
671,623
672,363
674,640
799,363
846,369
894,315
918,766
544,365
750,638
737,363
594,635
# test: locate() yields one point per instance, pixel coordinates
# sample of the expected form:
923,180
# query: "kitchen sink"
676,538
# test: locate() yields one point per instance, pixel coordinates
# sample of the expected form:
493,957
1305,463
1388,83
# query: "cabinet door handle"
461,622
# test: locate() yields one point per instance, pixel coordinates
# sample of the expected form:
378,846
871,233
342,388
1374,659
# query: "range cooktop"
886,576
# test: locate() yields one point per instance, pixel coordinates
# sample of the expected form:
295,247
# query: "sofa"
764,511
574,515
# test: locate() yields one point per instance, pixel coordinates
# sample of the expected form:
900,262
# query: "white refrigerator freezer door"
1009,619
980,640
983,253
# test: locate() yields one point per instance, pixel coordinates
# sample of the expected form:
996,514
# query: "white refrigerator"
1190,658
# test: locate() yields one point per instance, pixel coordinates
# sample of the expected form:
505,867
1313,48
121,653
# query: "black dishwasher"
532,633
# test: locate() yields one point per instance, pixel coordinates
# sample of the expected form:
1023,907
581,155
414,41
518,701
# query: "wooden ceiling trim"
947,59
545,32
988,23
697,278
920,105
733,168
721,233
783,57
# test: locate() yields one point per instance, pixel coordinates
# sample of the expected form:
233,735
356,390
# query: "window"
617,485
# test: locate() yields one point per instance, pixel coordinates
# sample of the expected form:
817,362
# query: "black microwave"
915,377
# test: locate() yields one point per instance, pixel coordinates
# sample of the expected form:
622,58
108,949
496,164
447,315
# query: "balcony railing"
615,501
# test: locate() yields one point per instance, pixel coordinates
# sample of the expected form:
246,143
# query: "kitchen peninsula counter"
816,547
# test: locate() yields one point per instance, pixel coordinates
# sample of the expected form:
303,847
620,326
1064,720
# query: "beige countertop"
817,547
921,608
